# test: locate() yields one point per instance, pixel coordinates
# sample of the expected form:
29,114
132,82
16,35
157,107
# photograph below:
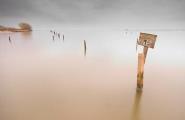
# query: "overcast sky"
95,12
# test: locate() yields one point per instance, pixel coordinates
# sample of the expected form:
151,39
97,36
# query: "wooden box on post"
147,40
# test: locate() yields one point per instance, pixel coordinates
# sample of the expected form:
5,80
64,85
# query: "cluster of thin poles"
56,34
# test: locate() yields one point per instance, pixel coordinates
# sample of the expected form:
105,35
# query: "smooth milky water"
46,79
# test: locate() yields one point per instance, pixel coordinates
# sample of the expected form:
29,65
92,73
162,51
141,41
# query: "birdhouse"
147,40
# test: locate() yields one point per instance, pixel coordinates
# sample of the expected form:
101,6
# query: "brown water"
42,79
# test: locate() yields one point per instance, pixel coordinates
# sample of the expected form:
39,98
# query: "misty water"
46,79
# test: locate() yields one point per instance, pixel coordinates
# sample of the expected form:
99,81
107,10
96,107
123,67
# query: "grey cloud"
89,11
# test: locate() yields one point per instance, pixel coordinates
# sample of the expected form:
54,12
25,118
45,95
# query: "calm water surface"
45,79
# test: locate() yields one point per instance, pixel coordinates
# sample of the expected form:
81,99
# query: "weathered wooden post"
9,38
53,37
140,70
63,37
147,41
85,48
145,50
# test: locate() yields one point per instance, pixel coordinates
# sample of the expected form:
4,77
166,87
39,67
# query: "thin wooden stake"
53,37
63,38
85,48
9,38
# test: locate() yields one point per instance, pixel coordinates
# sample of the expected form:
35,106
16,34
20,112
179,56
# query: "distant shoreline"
14,30
23,27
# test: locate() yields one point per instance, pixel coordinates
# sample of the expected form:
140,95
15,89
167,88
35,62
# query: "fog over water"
49,79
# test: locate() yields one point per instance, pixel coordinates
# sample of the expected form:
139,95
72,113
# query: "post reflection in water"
136,106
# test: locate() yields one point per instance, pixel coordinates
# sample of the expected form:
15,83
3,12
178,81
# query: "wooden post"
140,70
53,37
147,41
145,50
9,38
85,48
63,38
